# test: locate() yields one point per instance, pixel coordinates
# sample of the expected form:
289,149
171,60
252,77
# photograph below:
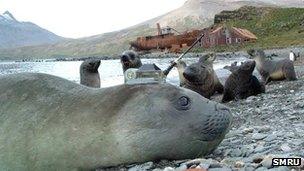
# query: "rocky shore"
266,126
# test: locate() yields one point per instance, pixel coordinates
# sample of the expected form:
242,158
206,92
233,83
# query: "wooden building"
223,35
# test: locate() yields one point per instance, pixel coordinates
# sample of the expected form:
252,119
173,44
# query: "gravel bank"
265,126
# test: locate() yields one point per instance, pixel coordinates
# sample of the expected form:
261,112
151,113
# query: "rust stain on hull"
173,43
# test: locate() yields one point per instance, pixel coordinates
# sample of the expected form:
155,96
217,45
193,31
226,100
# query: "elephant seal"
201,78
89,75
242,84
49,123
272,70
130,59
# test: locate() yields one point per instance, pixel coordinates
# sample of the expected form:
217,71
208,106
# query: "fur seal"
49,123
181,65
201,78
271,70
242,84
130,59
89,75
232,67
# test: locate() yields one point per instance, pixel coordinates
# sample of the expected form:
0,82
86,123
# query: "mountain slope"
16,34
193,14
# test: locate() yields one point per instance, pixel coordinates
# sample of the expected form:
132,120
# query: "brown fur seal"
208,60
201,78
49,123
232,67
242,84
181,65
89,75
130,59
271,70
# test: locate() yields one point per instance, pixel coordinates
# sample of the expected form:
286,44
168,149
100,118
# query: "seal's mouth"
216,124
192,78
126,63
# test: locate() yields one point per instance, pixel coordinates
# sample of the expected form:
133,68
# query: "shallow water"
110,70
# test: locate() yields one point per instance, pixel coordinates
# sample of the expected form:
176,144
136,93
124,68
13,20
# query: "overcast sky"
81,18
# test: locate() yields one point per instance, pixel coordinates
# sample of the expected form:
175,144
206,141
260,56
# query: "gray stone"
285,148
249,168
267,162
142,167
281,168
247,130
271,137
183,167
261,169
259,136
236,153
239,164
220,169
260,149
169,169
205,165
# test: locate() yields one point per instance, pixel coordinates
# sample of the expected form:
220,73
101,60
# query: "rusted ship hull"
171,42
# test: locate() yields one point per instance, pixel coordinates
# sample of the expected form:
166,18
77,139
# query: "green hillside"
274,27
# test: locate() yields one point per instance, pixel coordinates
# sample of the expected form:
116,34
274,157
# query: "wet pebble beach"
266,126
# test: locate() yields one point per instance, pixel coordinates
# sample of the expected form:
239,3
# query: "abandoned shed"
223,35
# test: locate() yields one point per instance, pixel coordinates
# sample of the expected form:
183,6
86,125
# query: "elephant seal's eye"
183,103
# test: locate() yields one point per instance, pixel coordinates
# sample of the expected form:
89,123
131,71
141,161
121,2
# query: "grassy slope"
274,27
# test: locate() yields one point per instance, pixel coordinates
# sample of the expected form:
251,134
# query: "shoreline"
275,52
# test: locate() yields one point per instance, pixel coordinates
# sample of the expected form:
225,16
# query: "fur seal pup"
130,59
50,123
180,66
232,67
242,84
89,75
208,59
201,78
272,70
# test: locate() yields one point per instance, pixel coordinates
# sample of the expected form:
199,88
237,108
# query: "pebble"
220,169
282,168
261,169
259,149
169,169
181,168
236,153
247,130
267,162
259,136
285,148
239,164
270,137
142,167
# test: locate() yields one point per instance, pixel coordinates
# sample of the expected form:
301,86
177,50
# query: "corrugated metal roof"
244,32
